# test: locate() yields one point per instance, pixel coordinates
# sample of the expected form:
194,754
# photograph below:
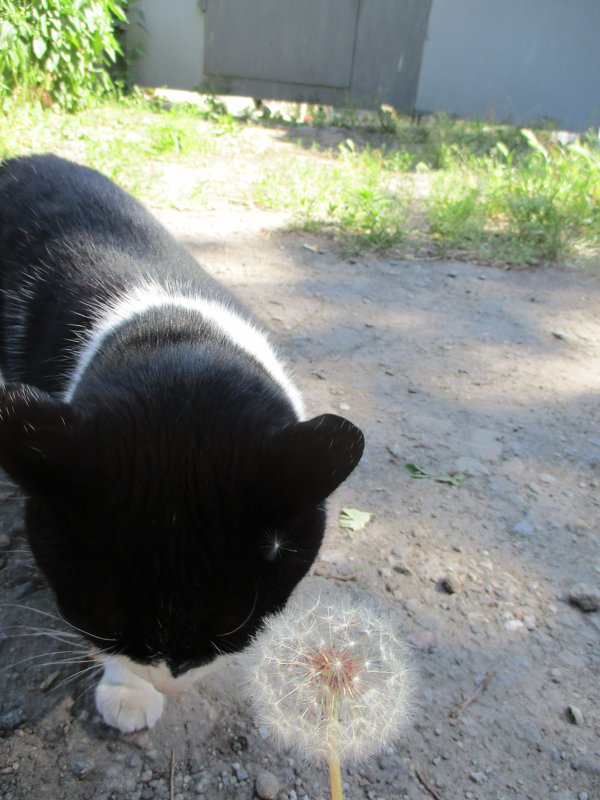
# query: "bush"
58,51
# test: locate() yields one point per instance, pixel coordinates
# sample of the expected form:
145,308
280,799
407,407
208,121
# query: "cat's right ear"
306,461
39,439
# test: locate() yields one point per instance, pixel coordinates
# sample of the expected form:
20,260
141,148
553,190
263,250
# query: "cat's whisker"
241,625
87,689
87,633
66,637
64,661
62,636
75,675
59,618
33,657
23,607
218,649
74,648
73,637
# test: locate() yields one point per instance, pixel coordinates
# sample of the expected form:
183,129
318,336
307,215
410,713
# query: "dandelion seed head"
333,672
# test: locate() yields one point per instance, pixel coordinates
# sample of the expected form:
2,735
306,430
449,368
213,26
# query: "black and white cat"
175,491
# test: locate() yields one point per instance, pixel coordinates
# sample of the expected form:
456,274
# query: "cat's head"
167,537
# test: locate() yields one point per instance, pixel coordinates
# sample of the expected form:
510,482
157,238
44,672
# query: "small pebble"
240,773
513,624
81,768
555,675
22,590
423,640
402,569
575,715
11,720
588,765
585,596
266,785
546,478
523,528
412,605
451,584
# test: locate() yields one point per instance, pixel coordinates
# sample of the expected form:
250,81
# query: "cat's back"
75,213
73,242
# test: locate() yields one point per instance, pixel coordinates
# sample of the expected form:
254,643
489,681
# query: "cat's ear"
306,461
39,440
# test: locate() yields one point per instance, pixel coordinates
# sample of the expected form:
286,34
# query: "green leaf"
39,47
417,472
7,31
453,478
353,519
116,9
534,142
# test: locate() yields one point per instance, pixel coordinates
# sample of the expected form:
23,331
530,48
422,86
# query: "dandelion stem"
335,773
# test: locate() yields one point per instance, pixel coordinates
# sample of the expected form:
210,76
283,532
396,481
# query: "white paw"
126,701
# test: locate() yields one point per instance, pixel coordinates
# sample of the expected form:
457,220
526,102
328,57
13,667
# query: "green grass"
129,139
490,193
350,195
495,193
520,206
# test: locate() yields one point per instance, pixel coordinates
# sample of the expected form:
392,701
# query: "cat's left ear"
306,461
39,439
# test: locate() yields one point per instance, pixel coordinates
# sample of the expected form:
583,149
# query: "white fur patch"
225,321
159,675
130,696
125,700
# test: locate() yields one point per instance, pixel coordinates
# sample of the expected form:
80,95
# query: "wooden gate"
353,52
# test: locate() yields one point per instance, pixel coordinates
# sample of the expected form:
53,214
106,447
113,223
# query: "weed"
489,193
58,51
455,214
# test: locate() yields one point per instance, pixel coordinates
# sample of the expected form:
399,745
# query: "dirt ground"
452,367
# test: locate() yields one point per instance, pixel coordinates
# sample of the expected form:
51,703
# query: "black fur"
156,491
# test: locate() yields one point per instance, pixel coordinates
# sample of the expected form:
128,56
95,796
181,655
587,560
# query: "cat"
175,491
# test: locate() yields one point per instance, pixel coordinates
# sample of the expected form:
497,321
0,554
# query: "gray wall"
171,39
345,52
518,60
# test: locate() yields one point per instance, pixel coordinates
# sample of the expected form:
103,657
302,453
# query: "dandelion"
332,681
